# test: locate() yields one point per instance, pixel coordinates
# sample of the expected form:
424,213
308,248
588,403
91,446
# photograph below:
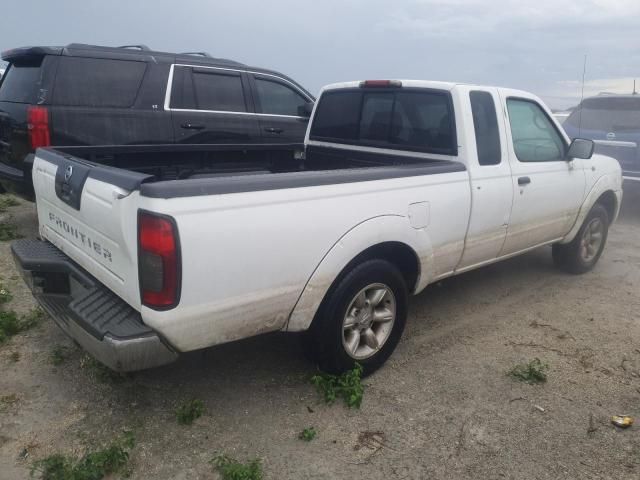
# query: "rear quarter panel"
247,257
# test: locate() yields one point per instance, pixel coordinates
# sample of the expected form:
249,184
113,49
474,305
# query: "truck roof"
419,84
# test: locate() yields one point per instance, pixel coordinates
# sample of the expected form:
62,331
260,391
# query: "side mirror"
305,110
581,148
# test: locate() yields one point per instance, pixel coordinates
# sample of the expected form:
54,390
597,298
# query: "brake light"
380,83
38,125
158,260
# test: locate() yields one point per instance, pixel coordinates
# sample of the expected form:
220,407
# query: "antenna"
584,72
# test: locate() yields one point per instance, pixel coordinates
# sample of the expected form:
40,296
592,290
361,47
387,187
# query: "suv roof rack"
138,47
201,54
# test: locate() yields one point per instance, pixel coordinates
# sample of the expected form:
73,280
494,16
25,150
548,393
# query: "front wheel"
361,319
582,254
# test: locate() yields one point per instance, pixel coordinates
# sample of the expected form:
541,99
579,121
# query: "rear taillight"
158,260
380,83
38,125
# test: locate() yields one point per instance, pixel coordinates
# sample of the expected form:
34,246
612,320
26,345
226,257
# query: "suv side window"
218,90
485,124
535,138
97,82
278,99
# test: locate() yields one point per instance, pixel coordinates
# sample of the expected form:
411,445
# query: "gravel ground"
442,408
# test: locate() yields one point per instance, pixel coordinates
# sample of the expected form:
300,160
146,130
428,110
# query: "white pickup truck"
147,252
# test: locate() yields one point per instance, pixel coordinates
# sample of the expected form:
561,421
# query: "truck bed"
169,171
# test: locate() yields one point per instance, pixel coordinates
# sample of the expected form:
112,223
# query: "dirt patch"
444,406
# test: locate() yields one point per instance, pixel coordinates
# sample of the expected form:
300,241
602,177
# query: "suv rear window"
404,119
607,114
97,82
21,81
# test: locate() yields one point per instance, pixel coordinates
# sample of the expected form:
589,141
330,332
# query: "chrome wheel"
591,240
368,321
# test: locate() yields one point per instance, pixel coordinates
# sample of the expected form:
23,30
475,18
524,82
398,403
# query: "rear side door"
490,171
548,187
280,106
211,105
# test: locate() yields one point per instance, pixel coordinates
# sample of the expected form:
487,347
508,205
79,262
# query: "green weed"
231,469
60,354
8,231
189,411
5,295
93,466
308,434
532,372
7,201
100,372
11,324
7,401
348,386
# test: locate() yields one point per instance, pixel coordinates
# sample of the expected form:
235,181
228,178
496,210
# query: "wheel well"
400,254
609,202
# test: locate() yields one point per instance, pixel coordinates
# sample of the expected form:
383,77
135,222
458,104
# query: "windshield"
608,114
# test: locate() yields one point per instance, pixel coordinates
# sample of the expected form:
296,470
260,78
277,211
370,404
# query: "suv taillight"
158,260
38,125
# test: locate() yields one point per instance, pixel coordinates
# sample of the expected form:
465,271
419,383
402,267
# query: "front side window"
535,138
397,119
485,124
278,99
218,91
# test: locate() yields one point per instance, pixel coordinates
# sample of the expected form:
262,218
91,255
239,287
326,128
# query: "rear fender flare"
388,228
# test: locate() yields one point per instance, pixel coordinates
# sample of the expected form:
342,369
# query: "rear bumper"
102,323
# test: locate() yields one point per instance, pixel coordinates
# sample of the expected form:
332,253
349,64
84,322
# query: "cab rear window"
97,82
400,119
21,82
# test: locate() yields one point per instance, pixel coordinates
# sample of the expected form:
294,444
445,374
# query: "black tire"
325,337
569,257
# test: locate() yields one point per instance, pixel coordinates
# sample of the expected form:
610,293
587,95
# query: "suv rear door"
281,108
211,105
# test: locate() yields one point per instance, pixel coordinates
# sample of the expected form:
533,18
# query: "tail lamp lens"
158,260
38,125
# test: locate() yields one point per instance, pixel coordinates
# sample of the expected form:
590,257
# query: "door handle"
273,130
192,126
524,180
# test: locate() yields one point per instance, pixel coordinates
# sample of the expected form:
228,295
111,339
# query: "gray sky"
534,45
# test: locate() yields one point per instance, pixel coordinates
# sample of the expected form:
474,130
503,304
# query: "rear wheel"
582,254
361,319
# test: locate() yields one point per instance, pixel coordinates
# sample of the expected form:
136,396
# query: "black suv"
92,95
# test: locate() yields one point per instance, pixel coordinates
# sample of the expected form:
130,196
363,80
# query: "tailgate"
89,212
